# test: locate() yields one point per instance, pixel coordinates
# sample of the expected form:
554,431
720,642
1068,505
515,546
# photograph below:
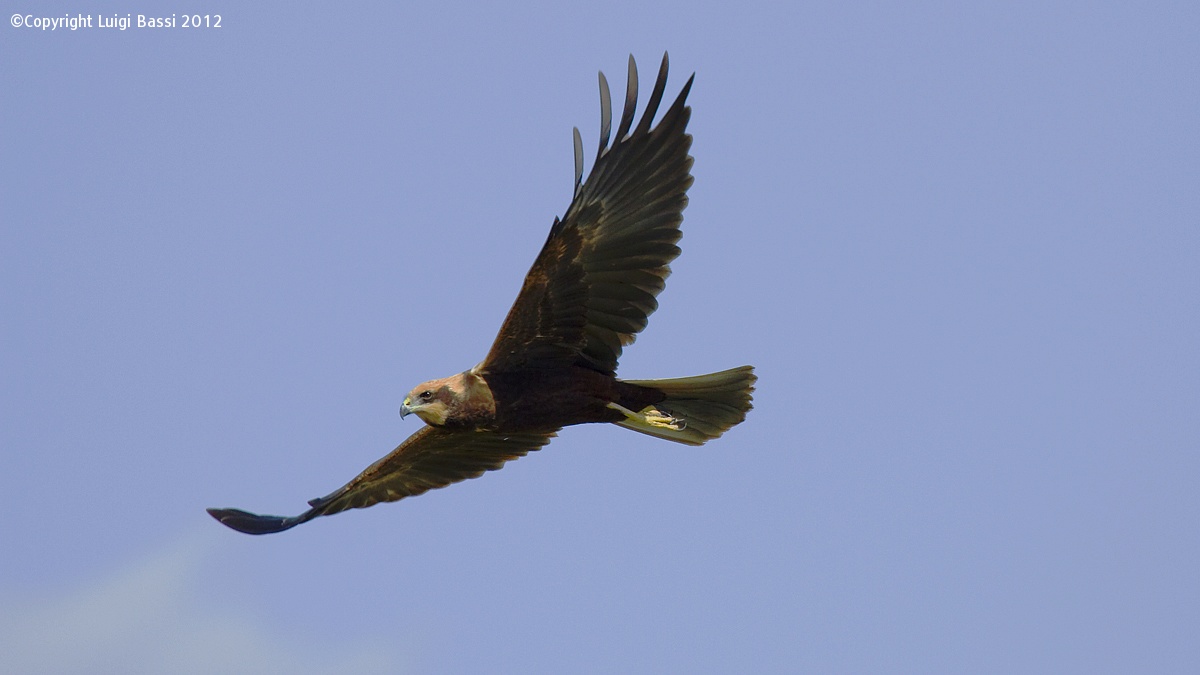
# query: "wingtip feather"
252,523
660,86
631,96
605,114
578,158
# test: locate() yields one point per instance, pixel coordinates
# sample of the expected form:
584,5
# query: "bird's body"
543,400
553,364
552,399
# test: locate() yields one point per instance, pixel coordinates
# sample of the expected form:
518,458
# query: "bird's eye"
425,395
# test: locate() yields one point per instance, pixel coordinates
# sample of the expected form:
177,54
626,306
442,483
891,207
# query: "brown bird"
554,363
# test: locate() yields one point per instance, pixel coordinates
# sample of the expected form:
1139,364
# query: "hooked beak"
404,407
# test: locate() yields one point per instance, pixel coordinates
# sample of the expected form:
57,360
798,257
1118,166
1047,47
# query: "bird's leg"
649,417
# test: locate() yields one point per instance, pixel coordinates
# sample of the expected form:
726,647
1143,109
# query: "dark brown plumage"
589,293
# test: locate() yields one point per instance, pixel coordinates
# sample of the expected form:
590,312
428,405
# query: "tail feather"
697,409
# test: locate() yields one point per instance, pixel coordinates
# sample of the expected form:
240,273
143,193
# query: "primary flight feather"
589,293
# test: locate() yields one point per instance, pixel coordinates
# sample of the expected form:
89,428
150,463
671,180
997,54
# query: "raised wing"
431,458
595,282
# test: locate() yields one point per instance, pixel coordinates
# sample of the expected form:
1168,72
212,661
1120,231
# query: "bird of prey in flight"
554,362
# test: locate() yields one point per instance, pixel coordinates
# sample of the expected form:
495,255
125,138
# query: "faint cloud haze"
148,617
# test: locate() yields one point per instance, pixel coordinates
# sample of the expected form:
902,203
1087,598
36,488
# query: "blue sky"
960,244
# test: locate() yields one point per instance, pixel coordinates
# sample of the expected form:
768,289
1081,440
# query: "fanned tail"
697,409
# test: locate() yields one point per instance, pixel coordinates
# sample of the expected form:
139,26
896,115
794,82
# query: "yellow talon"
649,416
656,418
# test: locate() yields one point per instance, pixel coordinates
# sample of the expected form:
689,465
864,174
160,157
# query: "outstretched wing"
595,282
431,458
